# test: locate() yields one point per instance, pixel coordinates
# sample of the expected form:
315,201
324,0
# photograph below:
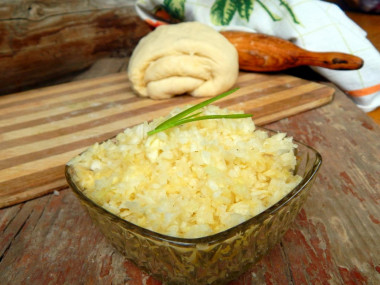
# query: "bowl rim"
217,237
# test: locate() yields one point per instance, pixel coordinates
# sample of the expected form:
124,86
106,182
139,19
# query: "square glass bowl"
214,259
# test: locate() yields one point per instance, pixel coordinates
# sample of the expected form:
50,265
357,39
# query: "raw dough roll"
183,58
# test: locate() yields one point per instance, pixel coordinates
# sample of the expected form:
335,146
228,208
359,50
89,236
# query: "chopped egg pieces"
192,180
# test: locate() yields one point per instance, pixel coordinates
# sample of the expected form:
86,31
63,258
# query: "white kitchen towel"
311,24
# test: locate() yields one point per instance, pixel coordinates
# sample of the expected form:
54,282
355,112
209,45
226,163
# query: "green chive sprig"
188,115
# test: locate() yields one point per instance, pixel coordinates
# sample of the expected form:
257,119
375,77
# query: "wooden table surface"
334,239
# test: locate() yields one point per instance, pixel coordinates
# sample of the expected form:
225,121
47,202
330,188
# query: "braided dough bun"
183,58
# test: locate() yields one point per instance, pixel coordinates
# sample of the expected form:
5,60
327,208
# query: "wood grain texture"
334,240
40,130
335,237
43,40
264,53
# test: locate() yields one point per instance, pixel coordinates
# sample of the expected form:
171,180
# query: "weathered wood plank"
335,238
47,247
43,40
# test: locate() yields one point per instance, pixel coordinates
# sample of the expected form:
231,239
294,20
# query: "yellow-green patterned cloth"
311,24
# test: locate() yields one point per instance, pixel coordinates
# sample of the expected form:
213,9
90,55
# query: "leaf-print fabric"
175,8
244,8
222,11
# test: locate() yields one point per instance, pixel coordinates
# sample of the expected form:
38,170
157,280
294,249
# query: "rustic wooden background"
44,40
334,240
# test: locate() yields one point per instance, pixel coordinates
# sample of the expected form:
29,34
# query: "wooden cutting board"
40,130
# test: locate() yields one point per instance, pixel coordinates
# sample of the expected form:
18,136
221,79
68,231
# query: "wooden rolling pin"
263,53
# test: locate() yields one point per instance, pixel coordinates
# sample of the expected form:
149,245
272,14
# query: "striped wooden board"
40,130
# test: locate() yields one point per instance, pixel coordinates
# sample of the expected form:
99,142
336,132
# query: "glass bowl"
214,259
